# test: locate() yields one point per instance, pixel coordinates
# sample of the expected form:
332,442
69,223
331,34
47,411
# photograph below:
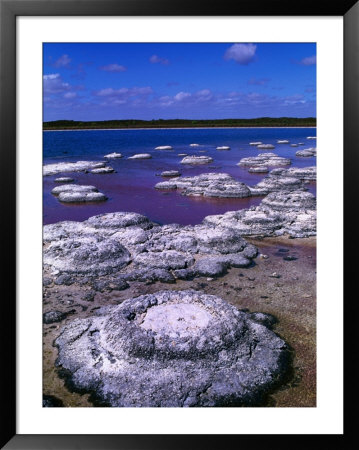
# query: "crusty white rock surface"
64,167
208,185
172,349
192,159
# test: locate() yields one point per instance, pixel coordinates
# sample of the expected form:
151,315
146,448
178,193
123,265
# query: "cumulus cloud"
54,84
69,95
182,96
241,53
294,100
63,61
124,95
155,59
113,68
309,61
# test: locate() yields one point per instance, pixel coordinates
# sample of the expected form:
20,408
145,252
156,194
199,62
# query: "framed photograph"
166,282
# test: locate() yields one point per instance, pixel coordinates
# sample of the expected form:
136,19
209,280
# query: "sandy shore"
291,298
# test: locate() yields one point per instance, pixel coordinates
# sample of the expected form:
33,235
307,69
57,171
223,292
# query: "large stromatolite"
172,349
208,185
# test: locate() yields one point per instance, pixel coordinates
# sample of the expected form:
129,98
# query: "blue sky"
87,81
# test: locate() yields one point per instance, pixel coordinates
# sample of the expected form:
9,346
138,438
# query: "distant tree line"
182,123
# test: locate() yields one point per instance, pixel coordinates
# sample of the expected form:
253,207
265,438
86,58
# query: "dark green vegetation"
182,123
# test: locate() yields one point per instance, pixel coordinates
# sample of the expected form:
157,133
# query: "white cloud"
113,68
53,84
155,59
241,53
182,96
63,61
124,95
70,95
309,61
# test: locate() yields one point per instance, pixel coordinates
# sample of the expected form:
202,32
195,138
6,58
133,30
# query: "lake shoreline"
170,128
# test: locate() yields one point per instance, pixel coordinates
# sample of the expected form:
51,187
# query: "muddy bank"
282,284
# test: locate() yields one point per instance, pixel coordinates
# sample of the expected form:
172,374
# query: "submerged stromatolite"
208,185
76,193
64,167
279,213
172,349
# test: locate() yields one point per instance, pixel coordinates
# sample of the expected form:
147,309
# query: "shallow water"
131,188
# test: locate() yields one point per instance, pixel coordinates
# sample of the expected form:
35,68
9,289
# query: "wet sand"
291,298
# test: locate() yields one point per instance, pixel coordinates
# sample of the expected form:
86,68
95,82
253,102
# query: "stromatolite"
172,349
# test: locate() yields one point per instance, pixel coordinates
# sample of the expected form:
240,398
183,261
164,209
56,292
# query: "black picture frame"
9,10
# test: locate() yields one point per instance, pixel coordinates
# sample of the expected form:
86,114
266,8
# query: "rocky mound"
74,193
258,169
128,247
172,349
276,184
170,173
196,159
307,152
279,213
63,167
265,146
101,170
208,185
140,156
302,173
113,155
264,159
64,180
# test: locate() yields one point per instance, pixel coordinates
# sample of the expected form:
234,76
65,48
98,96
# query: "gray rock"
64,180
210,267
86,255
140,156
53,317
208,185
70,193
113,155
128,244
279,213
46,281
302,173
104,170
76,197
308,152
170,173
265,146
172,349
63,167
275,184
72,188
264,159
259,169
64,279
196,159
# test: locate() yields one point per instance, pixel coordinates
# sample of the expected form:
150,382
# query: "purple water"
131,188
